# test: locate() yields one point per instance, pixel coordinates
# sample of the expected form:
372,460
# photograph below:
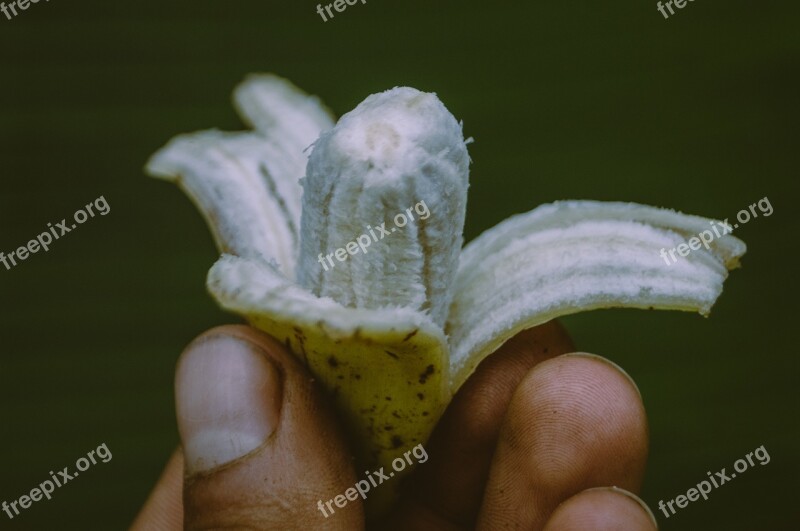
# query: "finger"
260,445
575,422
445,492
602,509
164,508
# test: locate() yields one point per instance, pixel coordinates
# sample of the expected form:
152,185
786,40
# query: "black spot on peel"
357,376
300,351
397,441
410,335
388,427
424,413
392,354
388,398
395,414
300,337
421,396
340,377
333,362
424,376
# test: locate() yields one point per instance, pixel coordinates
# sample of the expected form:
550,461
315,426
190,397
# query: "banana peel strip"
387,369
247,184
238,183
574,256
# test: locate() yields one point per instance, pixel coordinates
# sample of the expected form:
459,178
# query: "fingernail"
608,362
228,398
630,495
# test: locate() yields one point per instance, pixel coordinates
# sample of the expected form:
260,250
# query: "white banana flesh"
396,150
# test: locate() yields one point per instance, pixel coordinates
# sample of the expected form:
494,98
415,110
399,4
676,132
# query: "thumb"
261,448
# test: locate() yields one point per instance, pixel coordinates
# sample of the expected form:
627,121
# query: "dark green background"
601,100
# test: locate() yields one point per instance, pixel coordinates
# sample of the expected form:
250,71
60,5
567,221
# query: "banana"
394,329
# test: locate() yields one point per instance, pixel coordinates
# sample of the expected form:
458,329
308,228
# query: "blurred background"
574,99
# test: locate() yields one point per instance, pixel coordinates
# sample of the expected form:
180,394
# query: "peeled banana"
393,330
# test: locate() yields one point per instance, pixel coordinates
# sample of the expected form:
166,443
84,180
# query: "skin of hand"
539,438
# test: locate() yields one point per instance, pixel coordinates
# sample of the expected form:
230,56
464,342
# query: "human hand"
534,440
